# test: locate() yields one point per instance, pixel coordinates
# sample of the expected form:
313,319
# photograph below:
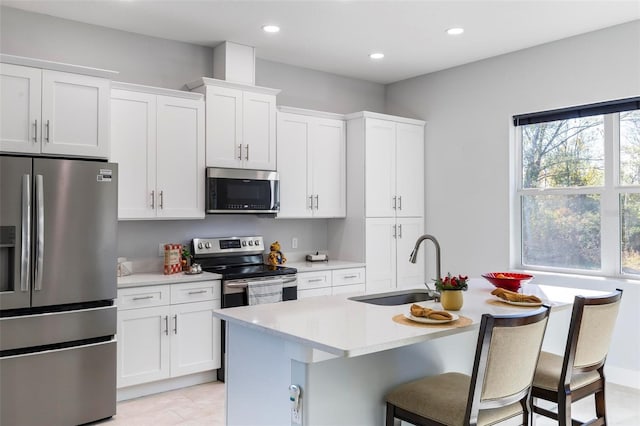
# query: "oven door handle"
237,285
244,283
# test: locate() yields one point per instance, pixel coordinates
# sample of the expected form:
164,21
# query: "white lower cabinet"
350,280
167,331
316,283
389,242
330,282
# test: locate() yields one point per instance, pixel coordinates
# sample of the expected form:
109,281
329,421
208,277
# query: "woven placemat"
460,322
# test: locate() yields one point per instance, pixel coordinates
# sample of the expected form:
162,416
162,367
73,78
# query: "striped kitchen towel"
266,291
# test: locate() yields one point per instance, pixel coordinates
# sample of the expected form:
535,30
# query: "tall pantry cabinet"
385,189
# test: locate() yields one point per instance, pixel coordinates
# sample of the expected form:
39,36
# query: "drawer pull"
197,292
316,280
350,276
143,297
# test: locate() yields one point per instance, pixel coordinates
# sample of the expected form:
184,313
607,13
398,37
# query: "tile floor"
204,405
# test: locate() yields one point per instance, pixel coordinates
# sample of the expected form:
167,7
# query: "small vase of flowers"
451,288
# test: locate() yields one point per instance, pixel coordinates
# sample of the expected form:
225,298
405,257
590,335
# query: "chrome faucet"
414,256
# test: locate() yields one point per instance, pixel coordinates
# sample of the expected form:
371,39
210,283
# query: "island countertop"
347,328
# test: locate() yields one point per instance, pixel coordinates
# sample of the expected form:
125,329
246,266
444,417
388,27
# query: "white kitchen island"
345,355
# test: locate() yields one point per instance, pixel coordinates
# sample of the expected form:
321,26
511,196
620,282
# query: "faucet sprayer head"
413,257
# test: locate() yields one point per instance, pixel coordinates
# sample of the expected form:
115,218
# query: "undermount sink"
396,297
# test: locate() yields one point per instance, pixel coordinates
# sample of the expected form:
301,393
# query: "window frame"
610,192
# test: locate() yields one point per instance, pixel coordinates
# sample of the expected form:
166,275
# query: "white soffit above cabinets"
338,36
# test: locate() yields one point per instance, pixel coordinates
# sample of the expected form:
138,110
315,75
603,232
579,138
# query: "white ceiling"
337,36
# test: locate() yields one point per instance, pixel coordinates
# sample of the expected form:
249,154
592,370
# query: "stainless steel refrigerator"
58,220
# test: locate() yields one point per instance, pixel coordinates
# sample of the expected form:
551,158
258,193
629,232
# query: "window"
577,203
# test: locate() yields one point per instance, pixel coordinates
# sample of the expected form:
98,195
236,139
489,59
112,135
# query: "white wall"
468,145
311,89
165,63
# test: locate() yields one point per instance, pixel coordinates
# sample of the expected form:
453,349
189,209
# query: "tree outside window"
564,187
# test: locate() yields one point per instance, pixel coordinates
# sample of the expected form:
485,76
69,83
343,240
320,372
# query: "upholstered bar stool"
498,388
580,372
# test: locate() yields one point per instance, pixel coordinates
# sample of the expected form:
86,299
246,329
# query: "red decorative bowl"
507,280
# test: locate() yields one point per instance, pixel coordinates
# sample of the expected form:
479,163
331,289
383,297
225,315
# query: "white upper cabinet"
409,170
158,141
52,112
241,124
380,168
133,147
311,165
394,169
20,108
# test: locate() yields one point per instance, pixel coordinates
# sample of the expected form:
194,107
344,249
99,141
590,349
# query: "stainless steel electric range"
240,262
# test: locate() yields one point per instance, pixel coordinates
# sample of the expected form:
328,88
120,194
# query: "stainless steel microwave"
242,191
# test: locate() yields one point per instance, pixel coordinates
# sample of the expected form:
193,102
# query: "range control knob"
250,242
200,245
207,245
244,244
256,242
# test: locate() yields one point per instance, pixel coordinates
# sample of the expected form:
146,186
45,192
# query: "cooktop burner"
235,257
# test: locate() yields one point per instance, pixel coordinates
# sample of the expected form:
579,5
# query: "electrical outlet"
161,249
296,415
294,243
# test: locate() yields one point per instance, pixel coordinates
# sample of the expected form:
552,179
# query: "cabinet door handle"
350,276
143,297
153,199
400,202
311,202
197,292
166,325
395,201
317,201
48,130
161,199
35,131
399,231
240,152
316,280
247,148
395,232
175,324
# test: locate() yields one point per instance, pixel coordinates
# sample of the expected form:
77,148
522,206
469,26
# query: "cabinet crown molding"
205,81
310,112
156,90
379,116
57,66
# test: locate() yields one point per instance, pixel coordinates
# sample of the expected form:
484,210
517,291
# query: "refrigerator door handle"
25,254
37,285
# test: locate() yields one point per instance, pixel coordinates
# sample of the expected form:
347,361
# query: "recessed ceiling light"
270,28
376,55
455,31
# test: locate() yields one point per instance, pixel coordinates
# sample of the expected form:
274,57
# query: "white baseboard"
622,376
145,389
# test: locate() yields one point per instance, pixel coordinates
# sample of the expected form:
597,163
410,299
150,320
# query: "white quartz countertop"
304,266
347,328
154,278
